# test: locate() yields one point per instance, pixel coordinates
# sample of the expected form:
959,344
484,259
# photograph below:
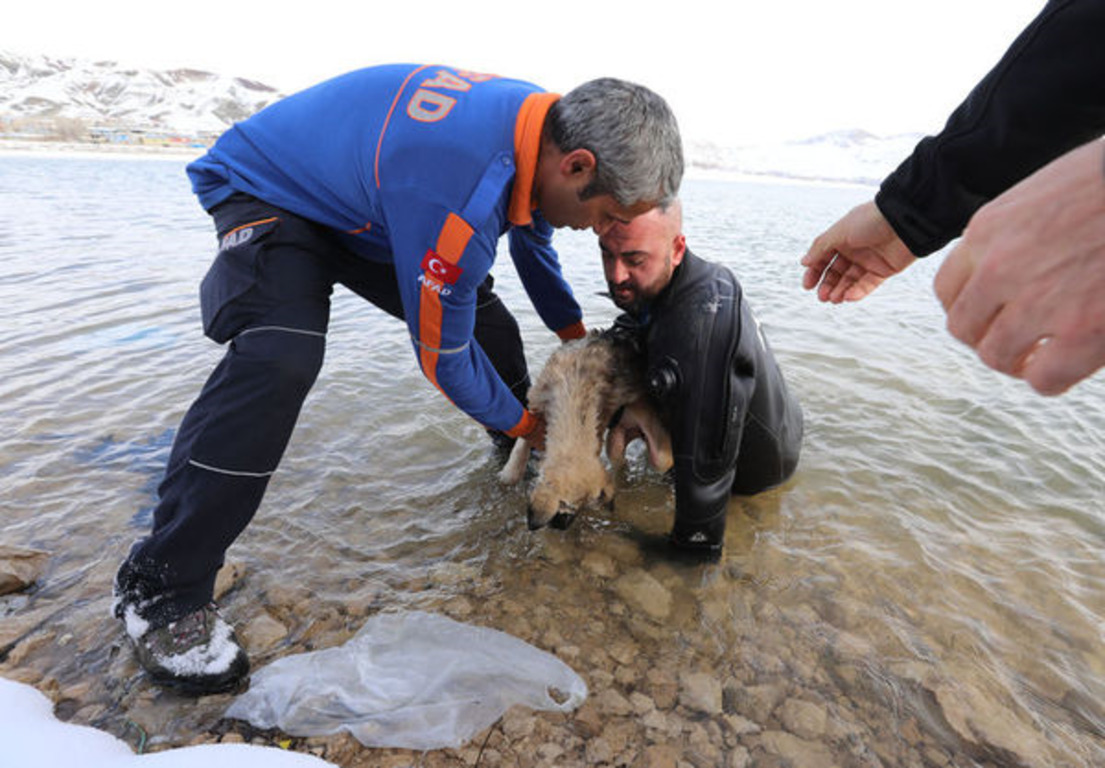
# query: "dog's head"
583,383
562,491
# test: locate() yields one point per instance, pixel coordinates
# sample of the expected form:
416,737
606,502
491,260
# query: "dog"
588,388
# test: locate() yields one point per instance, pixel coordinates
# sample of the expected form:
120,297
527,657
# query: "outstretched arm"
1025,287
854,256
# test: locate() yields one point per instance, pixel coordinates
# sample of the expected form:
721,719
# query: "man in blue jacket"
396,181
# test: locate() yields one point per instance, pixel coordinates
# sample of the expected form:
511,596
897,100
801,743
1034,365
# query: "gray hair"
632,133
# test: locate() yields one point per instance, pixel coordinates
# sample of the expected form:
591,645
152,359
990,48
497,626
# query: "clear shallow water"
937,560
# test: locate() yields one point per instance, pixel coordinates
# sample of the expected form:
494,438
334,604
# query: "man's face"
562,207
638,258
560,182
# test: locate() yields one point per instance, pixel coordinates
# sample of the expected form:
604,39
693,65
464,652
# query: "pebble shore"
765,687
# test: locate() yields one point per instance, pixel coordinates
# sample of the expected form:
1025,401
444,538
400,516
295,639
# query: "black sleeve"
715,388
1045,97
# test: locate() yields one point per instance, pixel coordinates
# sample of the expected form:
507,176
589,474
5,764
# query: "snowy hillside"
43,98
855,156
35,90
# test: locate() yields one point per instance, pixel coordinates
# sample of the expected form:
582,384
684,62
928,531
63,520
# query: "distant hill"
853,156
40,95
44,98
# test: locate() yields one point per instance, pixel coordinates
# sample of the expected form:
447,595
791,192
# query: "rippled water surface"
932,578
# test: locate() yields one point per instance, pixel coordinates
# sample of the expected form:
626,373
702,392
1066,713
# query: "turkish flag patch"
438,268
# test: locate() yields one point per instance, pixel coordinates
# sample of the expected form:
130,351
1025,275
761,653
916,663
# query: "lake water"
929,588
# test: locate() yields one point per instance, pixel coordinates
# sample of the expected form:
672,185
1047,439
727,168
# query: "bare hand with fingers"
854,256
1025,287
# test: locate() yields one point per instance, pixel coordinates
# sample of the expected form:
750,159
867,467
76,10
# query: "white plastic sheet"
411,680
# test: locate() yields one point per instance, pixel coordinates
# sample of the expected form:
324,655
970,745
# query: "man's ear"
680,247
578,161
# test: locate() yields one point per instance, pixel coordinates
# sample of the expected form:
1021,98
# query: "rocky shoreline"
774,688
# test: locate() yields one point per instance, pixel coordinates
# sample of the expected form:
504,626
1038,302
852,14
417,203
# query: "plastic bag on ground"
409,680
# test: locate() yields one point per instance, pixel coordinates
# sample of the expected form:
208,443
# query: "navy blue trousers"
268,295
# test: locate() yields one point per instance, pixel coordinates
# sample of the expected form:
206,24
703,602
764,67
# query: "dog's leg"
640,420
515,467
657,438
617,438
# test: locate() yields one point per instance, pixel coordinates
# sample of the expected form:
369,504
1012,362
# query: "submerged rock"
642,591
227,579
989,729
20,568
803,718
700,692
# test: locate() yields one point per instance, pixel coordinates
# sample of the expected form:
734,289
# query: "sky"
756,72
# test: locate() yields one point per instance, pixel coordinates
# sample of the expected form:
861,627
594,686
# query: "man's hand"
854,256
536,436
1025,287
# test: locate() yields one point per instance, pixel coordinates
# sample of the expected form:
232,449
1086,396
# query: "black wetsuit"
735,427
1044,98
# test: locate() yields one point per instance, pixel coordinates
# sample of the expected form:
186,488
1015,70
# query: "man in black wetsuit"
735,427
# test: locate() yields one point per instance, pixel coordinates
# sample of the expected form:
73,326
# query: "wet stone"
623,653
588,721
757,702
662,687
802,718
20,567
655,720
739,758
611,703
700,692
460,608
642,591
550,752
740,726
624,676
228,578
799,753
658,756
621,735
263,633
992,727
641,704
598,751
600,565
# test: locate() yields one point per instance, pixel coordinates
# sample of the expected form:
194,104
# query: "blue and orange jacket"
424,167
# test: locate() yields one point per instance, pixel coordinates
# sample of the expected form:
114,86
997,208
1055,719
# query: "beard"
632,302
635,299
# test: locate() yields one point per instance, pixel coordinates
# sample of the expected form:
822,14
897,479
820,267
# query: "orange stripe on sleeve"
454,238
429,331
451,242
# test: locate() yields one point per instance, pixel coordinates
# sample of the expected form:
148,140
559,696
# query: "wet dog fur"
583,385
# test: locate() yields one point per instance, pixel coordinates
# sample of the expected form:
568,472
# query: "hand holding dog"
536,436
